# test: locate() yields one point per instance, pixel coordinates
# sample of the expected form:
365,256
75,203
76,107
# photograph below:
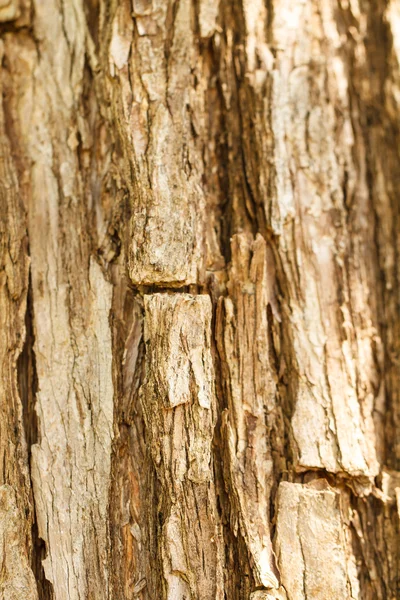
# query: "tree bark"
200,299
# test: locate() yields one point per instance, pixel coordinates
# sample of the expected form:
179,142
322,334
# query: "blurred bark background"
199,299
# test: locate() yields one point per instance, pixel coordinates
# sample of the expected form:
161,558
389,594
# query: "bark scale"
200,299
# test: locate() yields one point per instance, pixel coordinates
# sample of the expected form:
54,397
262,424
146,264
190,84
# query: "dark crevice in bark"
240,581
244,208
239,207
28,386
382,134
92,12
370,95
27,378
375,531
133,510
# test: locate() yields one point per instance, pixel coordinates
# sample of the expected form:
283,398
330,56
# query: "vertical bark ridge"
249,422
378,106
16,509
52,121
311,169
133,514
159,73
178,400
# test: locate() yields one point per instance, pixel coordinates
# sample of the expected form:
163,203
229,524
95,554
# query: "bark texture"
200,299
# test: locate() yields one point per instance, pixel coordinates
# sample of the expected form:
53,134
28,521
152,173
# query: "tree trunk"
199,300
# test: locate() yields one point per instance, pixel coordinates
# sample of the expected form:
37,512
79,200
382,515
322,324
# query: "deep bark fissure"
28,386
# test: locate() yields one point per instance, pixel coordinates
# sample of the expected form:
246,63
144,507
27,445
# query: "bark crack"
28,386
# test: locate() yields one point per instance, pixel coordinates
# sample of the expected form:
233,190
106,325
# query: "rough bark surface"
16,577
200,299
303,514
178,401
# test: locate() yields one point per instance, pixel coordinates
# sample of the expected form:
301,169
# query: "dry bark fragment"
152,60
242,335
336,362
326,263
179,406
306,164
71,463
16,577
314,557
208,14
9,10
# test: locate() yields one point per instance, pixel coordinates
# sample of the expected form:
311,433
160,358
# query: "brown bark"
199,299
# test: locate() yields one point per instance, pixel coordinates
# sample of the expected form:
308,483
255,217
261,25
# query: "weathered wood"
250,385
313,544
203,390
178,402
16,514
